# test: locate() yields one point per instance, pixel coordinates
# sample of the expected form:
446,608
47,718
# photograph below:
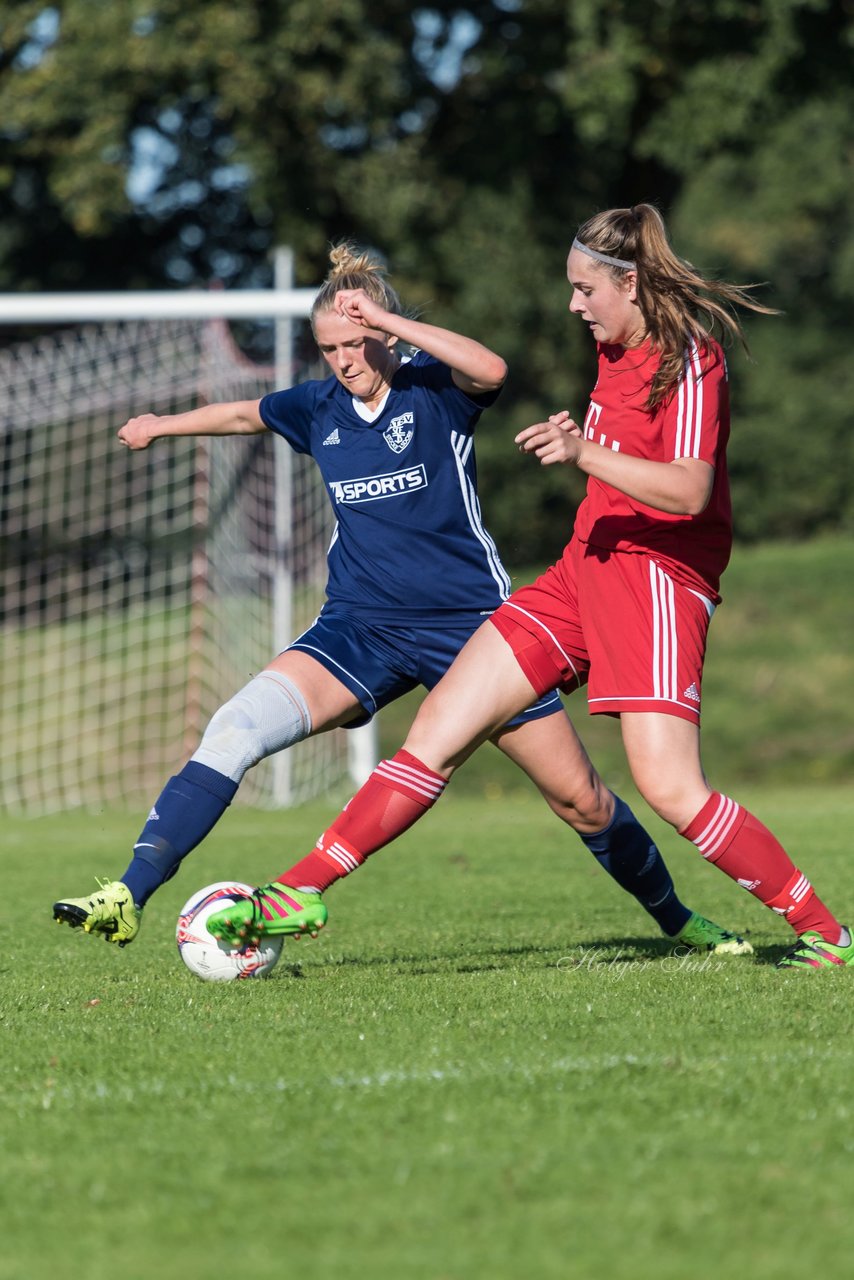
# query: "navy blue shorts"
380,663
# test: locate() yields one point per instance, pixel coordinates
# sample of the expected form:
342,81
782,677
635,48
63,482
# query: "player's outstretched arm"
237,418
475,368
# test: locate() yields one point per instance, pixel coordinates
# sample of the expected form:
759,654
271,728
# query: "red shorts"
617,622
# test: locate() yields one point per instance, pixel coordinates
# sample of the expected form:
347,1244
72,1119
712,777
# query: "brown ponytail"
672,295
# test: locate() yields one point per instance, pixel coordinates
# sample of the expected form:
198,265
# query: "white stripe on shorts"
665,646
533,618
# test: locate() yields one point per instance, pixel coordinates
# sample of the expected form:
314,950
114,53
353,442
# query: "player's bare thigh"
482,689
554,758
330,702
664,756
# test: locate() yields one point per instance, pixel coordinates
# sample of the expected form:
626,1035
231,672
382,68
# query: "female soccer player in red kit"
627,607
412,574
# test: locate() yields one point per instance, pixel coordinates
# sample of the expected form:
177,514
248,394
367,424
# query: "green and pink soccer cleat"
701,934
811,951
110,911
273,911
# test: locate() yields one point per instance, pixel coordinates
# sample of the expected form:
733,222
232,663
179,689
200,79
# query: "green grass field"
488,1067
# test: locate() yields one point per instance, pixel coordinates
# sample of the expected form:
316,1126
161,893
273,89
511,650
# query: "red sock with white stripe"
397,794
746,851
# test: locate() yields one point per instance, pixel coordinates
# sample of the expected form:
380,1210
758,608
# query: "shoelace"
805,949
258,908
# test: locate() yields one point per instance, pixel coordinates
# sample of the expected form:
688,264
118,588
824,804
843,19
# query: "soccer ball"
210,959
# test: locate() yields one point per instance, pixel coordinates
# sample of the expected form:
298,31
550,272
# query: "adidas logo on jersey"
154,816
333,437
692,692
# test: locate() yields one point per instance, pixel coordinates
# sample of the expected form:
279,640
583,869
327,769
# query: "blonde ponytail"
355,268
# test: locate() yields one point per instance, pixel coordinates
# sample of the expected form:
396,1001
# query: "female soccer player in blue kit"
627,607
412,574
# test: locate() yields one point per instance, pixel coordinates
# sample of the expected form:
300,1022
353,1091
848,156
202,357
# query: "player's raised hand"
557,440
138,433
355,305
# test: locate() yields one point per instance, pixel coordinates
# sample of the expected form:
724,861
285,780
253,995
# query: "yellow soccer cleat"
110,911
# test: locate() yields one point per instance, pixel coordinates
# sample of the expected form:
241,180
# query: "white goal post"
138,591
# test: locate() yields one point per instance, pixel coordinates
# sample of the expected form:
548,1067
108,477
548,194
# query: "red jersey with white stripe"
692,423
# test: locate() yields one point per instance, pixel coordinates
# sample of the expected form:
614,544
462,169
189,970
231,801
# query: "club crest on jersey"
399,432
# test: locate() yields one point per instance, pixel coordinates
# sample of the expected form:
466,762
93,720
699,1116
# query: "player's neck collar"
366,414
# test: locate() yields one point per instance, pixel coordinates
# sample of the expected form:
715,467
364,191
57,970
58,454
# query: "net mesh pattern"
141,589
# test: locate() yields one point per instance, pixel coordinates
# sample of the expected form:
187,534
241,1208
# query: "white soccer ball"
210,959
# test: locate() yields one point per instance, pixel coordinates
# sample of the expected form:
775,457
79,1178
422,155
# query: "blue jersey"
409,542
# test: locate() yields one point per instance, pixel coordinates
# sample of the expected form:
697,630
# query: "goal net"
140,590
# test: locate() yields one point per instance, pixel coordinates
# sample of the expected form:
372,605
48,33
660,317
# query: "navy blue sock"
188,807
629,855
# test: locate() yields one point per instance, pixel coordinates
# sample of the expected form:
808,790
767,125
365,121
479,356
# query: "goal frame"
283,303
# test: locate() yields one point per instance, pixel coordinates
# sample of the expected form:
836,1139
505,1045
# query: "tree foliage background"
156,143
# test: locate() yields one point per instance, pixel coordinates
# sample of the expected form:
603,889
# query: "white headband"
604,257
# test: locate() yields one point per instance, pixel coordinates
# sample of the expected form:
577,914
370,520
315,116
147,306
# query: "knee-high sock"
397,794
187,808
746,851
630,856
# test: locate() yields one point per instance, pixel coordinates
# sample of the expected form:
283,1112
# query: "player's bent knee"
586,808
267,715
673,804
